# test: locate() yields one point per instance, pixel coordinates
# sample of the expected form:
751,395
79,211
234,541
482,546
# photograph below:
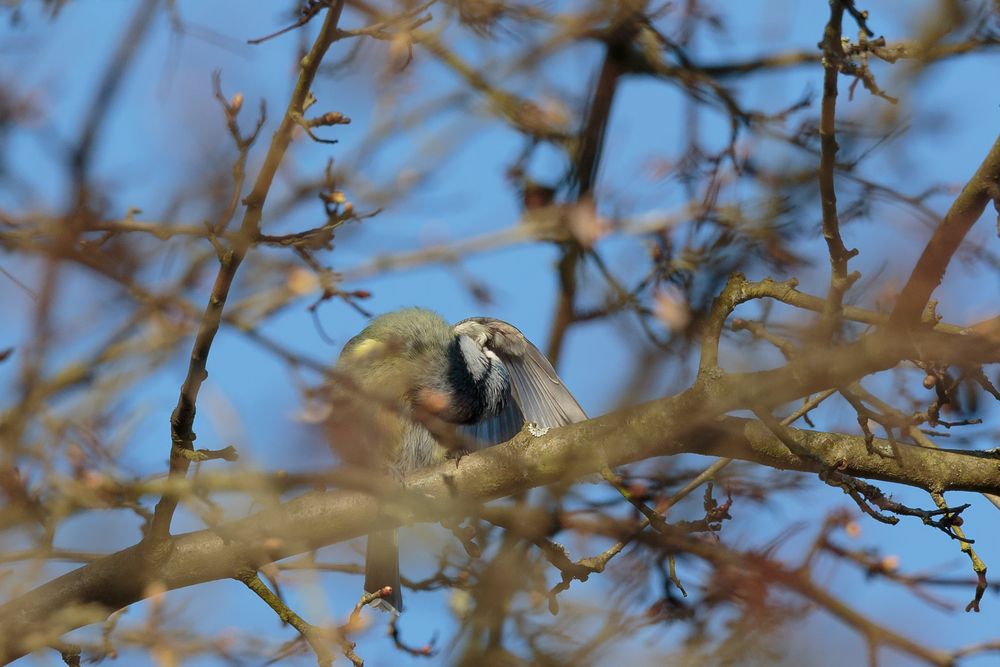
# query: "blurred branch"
69,436
121,60
586,162
547,225
687,422
799,581
736,567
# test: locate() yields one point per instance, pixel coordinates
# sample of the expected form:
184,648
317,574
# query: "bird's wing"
499,428
538,393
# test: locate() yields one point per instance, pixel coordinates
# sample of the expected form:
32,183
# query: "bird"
481,375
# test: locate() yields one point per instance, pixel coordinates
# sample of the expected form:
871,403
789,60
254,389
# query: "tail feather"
382,569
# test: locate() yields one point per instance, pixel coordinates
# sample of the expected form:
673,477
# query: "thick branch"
685,423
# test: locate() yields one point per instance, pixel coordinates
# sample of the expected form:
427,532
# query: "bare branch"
963,214
182,419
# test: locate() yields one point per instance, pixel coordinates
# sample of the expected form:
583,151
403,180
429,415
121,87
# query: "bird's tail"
382,569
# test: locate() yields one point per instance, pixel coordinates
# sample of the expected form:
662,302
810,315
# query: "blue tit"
481,375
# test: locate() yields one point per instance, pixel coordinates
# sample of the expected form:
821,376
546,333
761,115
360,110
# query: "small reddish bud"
332,118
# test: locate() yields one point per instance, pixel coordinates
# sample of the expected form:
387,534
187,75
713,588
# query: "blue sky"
165,125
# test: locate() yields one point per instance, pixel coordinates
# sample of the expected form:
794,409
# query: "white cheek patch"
487,370
476,359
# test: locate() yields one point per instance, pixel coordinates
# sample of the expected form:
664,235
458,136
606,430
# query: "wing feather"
539,394
542,396
499,428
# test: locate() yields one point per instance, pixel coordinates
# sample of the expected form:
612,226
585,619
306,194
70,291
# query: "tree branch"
840,281
933,262
182,419
686,423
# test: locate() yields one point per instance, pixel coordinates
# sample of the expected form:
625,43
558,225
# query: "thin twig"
840,281
182,419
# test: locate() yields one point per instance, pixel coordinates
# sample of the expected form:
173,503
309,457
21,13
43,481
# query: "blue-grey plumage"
538,395
482,375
